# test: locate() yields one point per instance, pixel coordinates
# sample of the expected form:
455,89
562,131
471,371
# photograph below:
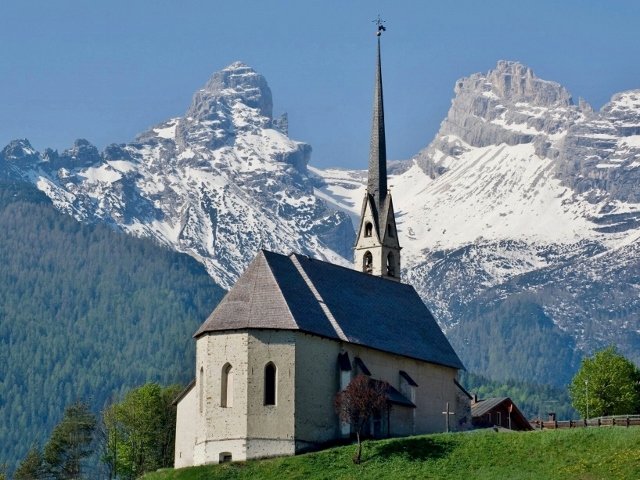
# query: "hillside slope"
85,314
605,453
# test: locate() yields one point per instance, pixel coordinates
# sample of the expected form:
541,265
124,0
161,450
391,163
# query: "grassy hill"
597,453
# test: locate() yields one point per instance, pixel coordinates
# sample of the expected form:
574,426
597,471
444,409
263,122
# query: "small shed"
498,412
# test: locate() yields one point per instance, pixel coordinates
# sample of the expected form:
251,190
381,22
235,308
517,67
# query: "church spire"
377,250
377,184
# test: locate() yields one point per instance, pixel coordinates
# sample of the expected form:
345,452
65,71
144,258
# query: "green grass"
598,453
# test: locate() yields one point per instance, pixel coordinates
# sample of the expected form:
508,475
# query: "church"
293,331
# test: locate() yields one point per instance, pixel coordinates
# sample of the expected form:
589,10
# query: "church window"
390,230
270,384
368,229
390,267
226,386
367,262
201,389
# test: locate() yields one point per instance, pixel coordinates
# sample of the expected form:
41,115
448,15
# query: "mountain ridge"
518,187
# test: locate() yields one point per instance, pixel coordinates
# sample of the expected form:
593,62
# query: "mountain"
218,183
520,224
86,313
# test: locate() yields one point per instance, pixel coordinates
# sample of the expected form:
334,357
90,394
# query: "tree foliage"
356,404
70,443
85,312
31,467
532,399
606,384
140,431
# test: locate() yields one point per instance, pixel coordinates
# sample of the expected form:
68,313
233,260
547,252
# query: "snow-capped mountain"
523,195
218,183
519,222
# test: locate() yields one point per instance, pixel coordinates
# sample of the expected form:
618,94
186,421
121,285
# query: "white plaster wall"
270,428
308,379
317,383
187,419
435,384
224,429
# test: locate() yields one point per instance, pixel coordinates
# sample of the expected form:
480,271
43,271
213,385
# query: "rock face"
219,183
520,224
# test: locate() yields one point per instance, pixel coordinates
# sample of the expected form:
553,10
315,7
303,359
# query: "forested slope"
85,313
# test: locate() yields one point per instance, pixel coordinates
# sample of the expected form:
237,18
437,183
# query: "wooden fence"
618,420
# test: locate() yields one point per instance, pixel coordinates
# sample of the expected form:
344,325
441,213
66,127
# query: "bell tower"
377,250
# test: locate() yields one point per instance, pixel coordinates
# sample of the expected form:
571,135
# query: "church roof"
296,292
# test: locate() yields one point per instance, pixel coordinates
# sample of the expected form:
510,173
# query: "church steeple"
377,250
377,183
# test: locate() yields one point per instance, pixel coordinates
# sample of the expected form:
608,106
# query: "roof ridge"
321,302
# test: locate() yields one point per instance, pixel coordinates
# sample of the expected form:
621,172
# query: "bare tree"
356,404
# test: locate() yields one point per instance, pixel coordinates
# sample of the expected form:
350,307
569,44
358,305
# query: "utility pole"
586,391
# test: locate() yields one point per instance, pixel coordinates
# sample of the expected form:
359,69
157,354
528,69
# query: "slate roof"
296,292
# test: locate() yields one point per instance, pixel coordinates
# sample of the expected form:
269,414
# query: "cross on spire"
379,23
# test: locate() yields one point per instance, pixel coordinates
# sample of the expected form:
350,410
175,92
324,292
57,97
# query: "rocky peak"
237,82
19,151
82,154
509,105
515,82
235,98
624,112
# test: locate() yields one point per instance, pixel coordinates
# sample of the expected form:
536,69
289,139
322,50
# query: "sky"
108,70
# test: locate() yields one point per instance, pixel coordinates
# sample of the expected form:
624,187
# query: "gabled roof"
482,407
298,293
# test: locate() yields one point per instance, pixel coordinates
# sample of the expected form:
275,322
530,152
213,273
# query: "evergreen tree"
85,312
31,467
70,442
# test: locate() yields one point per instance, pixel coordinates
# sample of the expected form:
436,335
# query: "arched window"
270,384
201,389
390,268
367,263
226,386
390,231
368,229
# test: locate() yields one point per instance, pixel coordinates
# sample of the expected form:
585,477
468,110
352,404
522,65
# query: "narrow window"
367,262
201,389
390,268
499,419
390,231
368,229
270,384
226,386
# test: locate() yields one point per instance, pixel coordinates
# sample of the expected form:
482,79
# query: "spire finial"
379,23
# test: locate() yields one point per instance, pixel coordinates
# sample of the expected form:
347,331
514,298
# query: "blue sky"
107,70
